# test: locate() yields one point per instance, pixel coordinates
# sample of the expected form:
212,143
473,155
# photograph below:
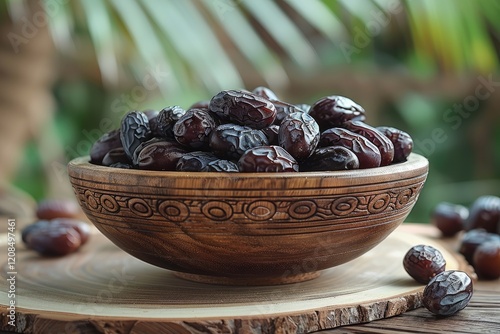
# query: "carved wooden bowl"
247,228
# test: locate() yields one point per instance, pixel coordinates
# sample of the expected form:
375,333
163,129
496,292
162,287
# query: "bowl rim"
415,163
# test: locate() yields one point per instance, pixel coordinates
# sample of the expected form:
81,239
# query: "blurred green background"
69,70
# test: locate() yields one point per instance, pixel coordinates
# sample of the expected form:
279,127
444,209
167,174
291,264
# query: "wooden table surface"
482,315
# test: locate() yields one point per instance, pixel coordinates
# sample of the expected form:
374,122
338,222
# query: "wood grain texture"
101,289
247,228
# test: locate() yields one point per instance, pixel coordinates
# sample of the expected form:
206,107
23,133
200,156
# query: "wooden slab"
103,289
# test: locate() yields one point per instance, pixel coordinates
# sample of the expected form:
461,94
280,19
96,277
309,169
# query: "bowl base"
246,281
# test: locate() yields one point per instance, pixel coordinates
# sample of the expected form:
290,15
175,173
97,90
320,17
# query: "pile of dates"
479,226
58,229
446,291
242,131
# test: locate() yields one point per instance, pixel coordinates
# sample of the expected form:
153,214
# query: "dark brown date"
267,159
221,165
377,138
230,141
449,218
133,131
57,208
81,227
423,262
367,153
471,241
152,116
403,143
299,135
265,93
243,108
284,109
54,240
116,155
484,213
159,155
193,129
330,158
195,161
448,292
166,119
334,111
271,133
487,260
103,145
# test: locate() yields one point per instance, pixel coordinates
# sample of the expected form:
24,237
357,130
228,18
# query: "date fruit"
484,213
267,159
265,93
133,131
221,165
486,260
166,119
299,135
57,208
377,138
423,262
159,155
402,142
116,155
449,218
103,145
243,108
193,129
230,141
284,109
472,239
54,240
79,226
448,292
334,111
367,153
330,158
195,161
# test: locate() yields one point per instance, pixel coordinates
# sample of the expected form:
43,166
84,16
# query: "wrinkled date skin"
484,213
367,153
230,141
134,130
193,129
334,111
330,158
376,137
449,218
299,135
152,116
284,109
103,145
448,292
271,133
160,155
267,159
403,143
423,262
265,93
243,108
195,161
166,120
221,165
82,228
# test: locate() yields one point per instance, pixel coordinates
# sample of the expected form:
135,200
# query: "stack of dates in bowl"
247,189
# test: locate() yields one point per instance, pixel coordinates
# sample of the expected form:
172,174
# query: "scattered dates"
423,262
58,231
479,225
243,131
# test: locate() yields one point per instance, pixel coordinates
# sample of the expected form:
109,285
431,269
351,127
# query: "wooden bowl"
247,228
